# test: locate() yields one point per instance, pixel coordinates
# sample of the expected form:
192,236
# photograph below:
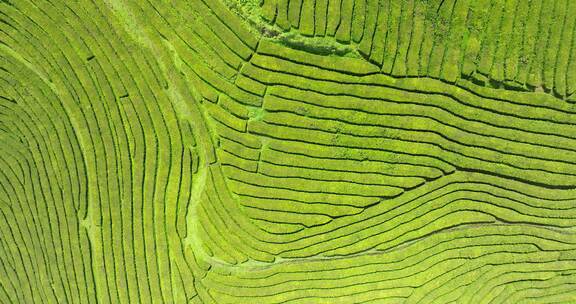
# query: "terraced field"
287,151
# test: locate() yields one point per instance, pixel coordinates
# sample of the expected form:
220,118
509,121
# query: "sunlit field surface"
288,151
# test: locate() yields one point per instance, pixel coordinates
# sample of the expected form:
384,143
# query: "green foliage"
287,151
315,45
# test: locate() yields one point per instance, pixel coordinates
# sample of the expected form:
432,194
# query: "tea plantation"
288,151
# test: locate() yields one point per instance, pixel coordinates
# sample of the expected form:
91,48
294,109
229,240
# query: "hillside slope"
221,152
